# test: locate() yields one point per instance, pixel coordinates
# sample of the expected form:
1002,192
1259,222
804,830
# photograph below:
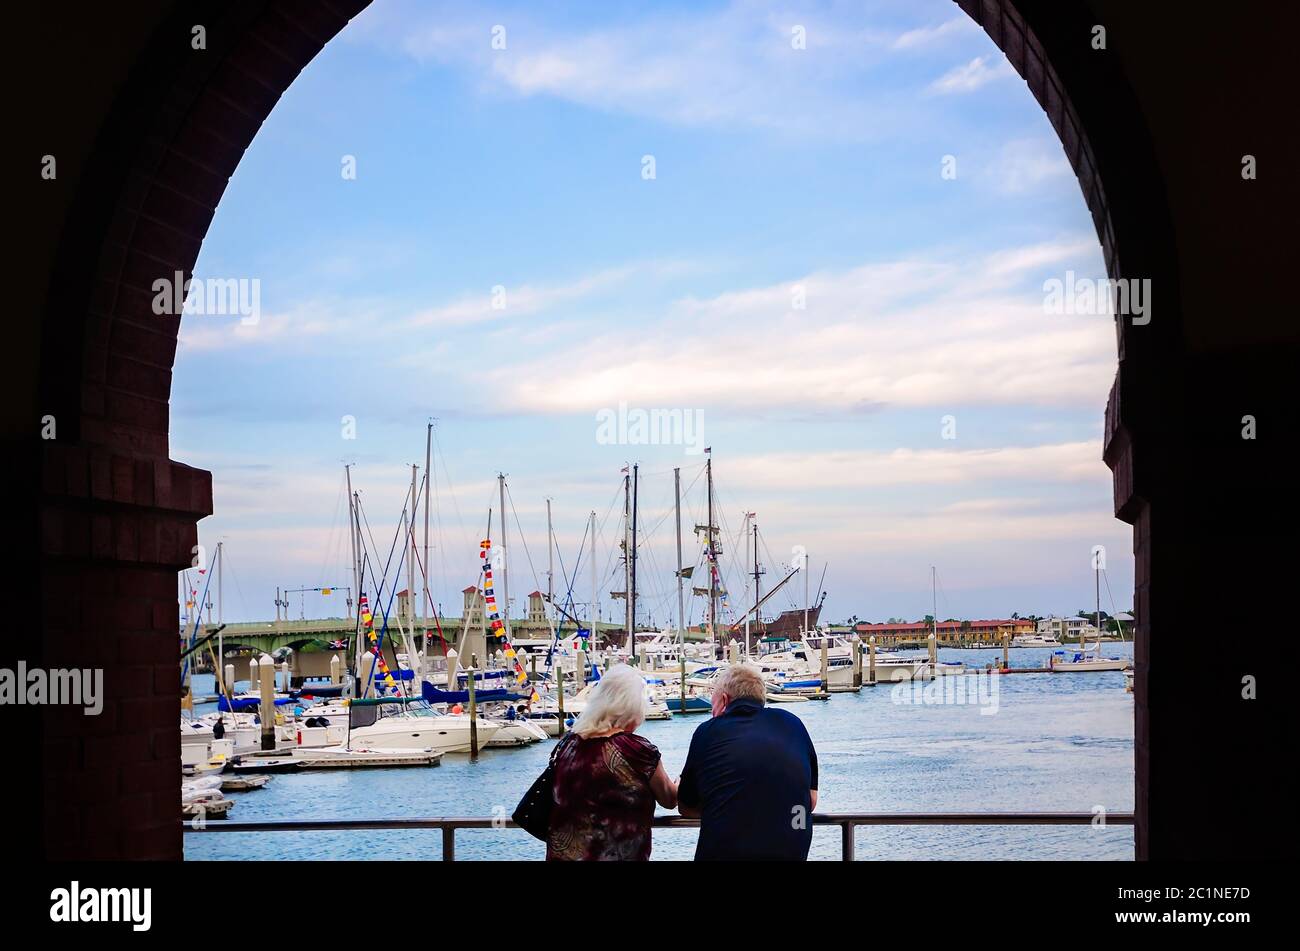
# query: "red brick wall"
117,517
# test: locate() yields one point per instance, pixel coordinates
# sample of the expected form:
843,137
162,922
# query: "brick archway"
118,517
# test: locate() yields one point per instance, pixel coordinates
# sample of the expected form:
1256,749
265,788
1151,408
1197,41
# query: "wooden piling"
266,672
682,682
871,663
559,683
473,707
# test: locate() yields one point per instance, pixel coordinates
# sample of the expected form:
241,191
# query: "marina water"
1057,742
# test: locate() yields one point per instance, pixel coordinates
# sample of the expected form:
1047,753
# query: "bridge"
267,637
310,640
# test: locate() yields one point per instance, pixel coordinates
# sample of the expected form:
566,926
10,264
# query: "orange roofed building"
985,632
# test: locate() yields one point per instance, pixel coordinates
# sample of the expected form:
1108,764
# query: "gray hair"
617,701
741,680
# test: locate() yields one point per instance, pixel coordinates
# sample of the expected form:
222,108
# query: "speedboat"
1034,640
195,732
892,666
404,724
664,650
516,731
786,661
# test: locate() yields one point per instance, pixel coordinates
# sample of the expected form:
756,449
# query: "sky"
819,234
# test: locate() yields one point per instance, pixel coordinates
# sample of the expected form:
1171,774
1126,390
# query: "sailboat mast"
505,557
631,643
627,558
806,580
713,559
352,531
681,602
934,603
550,557
758,622
595,601
410,557
428,481
356,577
1096,580
221,611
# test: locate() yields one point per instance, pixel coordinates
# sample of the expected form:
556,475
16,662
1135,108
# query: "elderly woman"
607,779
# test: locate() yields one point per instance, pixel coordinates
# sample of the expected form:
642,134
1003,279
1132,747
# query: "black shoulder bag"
533,814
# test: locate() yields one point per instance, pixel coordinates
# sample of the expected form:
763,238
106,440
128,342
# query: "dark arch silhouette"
117,517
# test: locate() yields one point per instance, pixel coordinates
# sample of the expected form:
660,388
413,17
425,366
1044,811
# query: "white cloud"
972,76
931,35
875,469
301,322
936,333
529,299
734,65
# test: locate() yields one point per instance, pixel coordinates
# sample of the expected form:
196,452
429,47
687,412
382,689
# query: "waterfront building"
951,631
1067,628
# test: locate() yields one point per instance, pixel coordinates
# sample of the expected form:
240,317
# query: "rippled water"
1057,742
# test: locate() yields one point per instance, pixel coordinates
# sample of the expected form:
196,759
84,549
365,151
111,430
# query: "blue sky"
781,175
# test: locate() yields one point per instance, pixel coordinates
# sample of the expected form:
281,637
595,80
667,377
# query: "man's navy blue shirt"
750,772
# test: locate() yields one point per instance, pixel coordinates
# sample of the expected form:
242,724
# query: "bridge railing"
847,822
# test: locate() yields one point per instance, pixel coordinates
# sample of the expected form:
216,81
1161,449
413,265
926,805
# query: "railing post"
449,843
846,841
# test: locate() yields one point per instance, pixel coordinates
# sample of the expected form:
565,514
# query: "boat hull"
1087,666
420,733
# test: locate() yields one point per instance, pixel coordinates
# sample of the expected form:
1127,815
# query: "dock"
332,757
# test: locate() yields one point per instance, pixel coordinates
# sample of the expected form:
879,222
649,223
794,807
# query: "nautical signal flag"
326,590
494,619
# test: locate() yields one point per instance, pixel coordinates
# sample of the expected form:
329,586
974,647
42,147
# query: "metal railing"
847,821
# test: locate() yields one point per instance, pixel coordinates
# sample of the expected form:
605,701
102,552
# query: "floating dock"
333,757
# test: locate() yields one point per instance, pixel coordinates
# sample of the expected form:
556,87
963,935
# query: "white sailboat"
1087,659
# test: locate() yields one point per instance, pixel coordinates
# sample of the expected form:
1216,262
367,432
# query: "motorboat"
784,662
405,724
664,650
195,732
1035,640
516,731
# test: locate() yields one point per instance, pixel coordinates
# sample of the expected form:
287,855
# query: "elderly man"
750,776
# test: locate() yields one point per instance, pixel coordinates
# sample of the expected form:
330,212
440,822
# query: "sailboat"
1087,659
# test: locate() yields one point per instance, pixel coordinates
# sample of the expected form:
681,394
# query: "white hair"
741,680
618,701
